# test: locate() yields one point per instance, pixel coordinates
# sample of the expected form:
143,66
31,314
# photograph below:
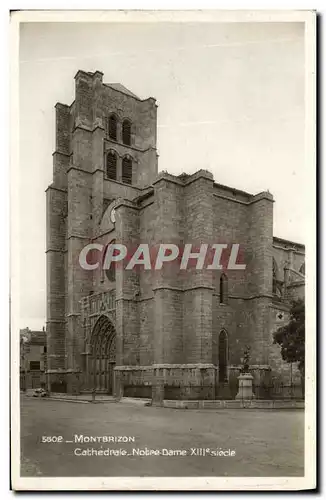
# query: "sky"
230,96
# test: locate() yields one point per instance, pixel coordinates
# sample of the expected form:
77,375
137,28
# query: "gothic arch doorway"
101,361
223,357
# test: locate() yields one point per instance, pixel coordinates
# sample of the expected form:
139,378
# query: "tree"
291,337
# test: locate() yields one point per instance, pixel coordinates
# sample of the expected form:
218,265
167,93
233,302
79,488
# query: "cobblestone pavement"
266,443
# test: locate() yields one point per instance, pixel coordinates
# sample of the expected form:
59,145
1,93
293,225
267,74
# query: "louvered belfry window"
126,132
112,126
127,170
111,166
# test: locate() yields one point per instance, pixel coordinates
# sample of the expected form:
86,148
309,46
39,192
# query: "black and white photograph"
163,185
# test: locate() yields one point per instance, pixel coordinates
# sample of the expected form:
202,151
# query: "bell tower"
105,149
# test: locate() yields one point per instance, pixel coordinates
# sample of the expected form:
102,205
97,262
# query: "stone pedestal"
245,386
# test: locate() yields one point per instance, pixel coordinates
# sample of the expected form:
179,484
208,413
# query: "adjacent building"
32,359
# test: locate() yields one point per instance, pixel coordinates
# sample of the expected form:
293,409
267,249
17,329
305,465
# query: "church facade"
162,334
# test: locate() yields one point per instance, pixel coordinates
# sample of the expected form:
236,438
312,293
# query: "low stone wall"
229,404
188,381
133,381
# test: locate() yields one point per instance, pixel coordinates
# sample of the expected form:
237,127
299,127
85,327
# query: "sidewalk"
75,398
179,404
83,398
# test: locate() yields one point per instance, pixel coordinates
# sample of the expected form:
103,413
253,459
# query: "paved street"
266,443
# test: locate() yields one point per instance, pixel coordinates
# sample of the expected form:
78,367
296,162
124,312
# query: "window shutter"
126,132
112,126
111,166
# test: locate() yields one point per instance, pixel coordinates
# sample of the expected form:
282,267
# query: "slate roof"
121,88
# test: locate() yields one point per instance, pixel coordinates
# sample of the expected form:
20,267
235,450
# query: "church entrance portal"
101,360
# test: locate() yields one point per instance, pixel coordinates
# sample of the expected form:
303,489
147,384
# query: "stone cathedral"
155,334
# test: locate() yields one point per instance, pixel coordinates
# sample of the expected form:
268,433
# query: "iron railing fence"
189,392
278,391
230,391
225,391
137,391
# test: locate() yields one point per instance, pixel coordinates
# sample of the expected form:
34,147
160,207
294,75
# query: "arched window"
112,127
127,170
223,357
126,132
111,165
223,289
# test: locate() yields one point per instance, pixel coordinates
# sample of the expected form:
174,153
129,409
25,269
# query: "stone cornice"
117,143
57,152
257,296
242,297
254,199
57,294
87,74
56,250
252,367
292,244
149,193
296,283
142,207
201,174
228,198
264,195
162,366
58,370
122,202
126,203
100,235
189,289
294,250
133,299
124,184
182,289
280,305
73,167
78,236
56,189
61,105
55,321
233,190
85,128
